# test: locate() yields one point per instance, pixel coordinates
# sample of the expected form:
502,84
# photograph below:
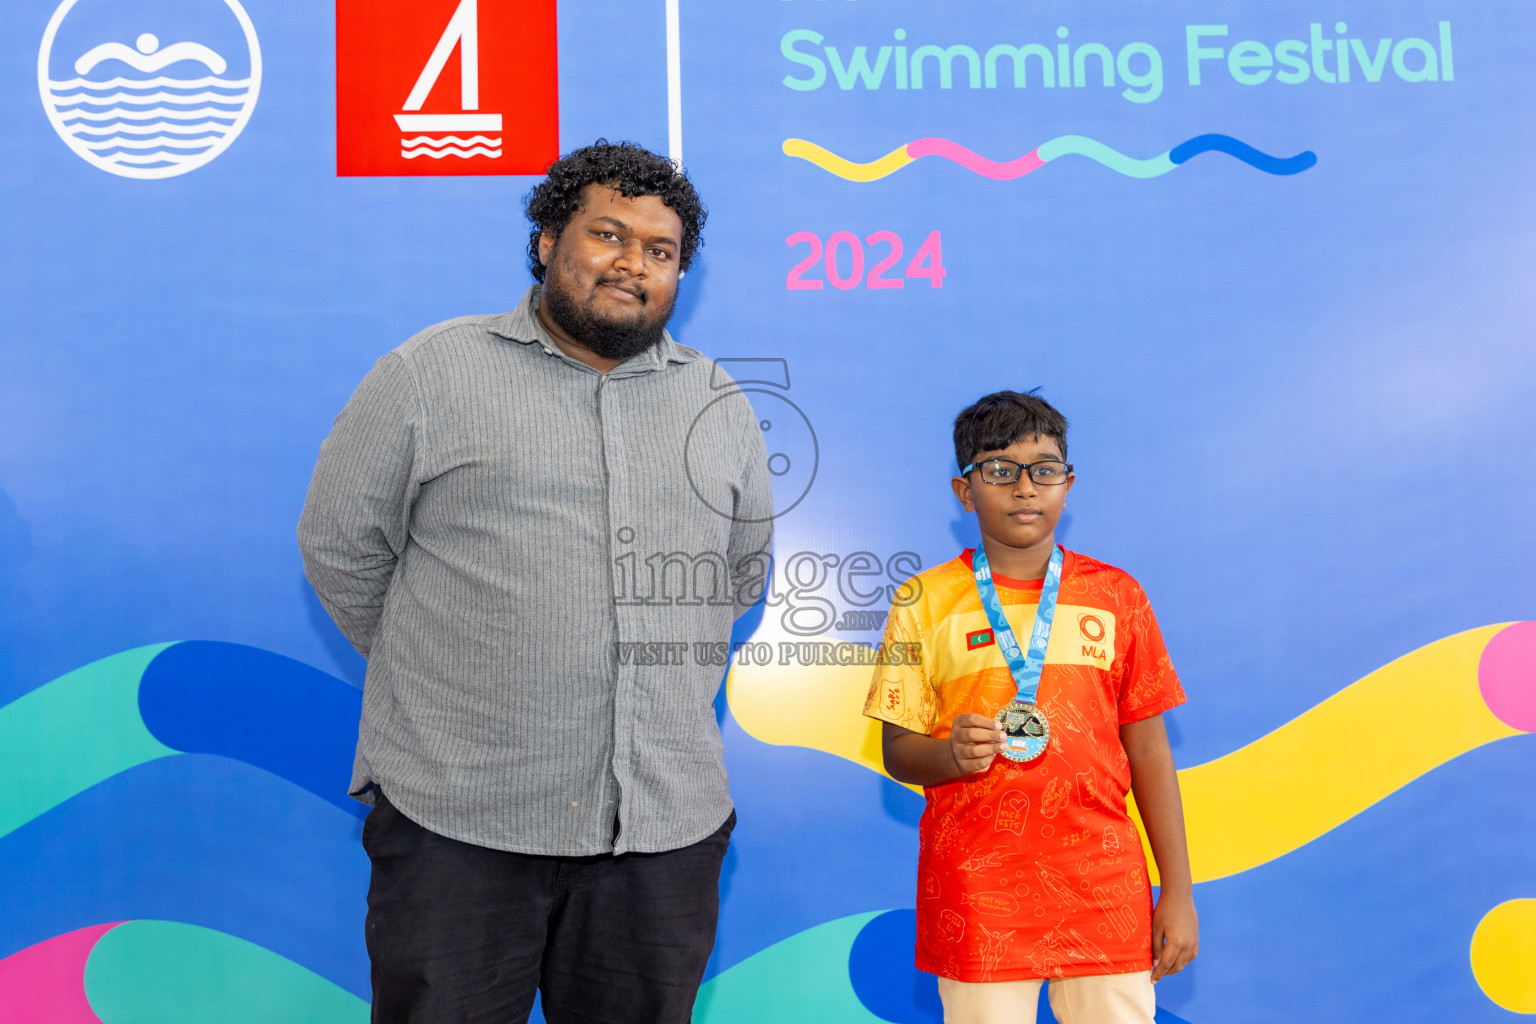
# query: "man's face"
1021,514
610,279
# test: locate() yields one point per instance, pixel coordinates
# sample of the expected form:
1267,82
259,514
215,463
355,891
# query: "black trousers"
461,934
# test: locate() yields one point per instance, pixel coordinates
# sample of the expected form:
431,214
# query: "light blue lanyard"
1025,667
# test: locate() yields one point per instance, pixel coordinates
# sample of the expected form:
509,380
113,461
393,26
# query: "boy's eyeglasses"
1047,472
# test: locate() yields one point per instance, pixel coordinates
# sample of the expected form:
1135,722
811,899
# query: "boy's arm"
1175,928
911,757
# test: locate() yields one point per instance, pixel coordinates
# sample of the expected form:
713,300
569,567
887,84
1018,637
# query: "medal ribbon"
1025,666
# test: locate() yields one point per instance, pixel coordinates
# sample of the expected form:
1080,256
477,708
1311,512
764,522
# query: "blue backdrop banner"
1272,262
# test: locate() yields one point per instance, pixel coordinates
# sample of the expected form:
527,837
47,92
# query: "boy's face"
1022,514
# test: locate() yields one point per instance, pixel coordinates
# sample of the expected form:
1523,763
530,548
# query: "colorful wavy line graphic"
1271,796
167,972
281,715
1063,145
292,720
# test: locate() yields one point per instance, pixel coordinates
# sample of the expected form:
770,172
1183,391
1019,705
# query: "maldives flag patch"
980,638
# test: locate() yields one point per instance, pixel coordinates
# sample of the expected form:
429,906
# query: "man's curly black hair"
629,169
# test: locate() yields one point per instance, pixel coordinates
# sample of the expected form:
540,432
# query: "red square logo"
429,87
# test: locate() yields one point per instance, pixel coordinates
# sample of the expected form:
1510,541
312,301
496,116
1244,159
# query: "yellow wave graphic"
827,160
821,708
1503,955
1241,810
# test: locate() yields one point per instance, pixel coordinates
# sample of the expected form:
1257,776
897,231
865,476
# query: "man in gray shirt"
538,528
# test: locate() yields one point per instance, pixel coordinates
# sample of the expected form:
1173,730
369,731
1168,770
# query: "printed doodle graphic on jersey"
445,87
146,91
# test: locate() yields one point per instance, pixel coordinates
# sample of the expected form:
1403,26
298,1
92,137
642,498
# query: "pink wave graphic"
975,162
45,983
1506,676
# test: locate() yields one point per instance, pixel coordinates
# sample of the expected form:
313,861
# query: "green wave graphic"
70,734
1082,145
165,972
803,978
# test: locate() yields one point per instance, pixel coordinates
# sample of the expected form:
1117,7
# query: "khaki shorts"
1094,999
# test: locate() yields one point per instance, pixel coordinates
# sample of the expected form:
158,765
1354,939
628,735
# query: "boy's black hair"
628,169
999,419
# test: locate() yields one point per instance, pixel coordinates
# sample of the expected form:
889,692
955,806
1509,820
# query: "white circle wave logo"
119,113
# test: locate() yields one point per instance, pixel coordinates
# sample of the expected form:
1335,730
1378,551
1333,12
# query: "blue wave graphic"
1258,159
295,721
203,840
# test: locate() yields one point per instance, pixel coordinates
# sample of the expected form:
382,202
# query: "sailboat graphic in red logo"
446,87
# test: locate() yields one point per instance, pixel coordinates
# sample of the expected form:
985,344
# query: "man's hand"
975,740
1175,934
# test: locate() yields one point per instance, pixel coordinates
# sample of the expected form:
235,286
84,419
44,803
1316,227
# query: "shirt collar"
522,326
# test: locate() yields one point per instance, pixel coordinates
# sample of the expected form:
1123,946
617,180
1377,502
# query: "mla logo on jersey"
149,90
432,87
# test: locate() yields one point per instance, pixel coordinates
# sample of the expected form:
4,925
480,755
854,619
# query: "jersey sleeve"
1147,684
902,690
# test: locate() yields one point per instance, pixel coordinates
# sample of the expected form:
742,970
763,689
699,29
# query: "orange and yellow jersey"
1031,870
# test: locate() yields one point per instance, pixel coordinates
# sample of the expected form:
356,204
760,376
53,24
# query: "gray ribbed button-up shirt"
500,529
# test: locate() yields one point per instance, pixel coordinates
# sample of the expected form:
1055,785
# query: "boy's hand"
1175,933
975,740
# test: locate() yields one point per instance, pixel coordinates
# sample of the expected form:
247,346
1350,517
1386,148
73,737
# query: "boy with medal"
1035,708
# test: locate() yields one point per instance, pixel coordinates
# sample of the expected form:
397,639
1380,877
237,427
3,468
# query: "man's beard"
609,338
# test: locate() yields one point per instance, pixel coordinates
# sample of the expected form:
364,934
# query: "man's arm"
748,550
1175,928
357,514
910,757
